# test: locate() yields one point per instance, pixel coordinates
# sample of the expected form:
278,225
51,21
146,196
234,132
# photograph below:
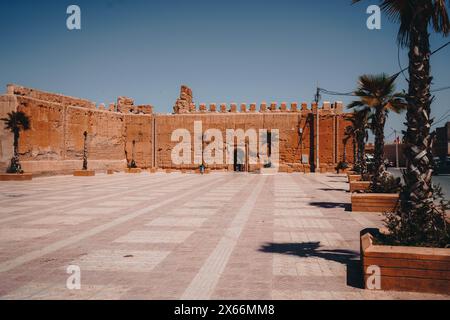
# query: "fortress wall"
49,97
139,128
55,142
8,103
294,146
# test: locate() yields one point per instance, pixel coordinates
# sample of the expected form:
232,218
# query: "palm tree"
16,122
349,134
85,151
360,125
377,92
418,219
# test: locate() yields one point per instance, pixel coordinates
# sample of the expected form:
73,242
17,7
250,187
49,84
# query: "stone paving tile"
121,260
177,222
93,211
155,237
18,234
60,220
172,236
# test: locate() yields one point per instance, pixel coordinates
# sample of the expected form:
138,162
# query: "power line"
435,124
400,63
432,53
334,93
441,89
442,118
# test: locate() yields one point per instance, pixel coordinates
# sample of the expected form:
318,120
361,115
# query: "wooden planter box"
374,202
133,170
358,186
354,177
84,173
406,268
16,176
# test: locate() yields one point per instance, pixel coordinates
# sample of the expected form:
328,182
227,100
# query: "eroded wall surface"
55,142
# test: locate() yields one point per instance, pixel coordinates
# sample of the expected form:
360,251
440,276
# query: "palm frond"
440,19
16,121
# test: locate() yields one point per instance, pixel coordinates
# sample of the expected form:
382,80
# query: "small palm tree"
377,92
85,151
16,122
419,219
360,126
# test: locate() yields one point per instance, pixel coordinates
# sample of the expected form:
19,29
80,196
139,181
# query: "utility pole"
396,149
317,98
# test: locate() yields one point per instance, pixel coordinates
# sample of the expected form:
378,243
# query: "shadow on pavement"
333,189
312,249
332,205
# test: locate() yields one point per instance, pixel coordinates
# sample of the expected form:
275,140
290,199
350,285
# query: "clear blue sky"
226,51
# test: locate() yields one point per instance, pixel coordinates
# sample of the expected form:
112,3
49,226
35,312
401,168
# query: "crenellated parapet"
274,107
185,104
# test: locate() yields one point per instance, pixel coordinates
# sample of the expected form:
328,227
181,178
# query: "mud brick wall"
295,145
138,128
55,142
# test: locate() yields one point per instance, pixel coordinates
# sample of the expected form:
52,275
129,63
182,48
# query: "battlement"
185,104
124,104
274,107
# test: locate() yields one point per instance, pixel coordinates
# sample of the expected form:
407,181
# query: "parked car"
441,165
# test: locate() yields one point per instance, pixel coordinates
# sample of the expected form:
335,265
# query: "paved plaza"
183,236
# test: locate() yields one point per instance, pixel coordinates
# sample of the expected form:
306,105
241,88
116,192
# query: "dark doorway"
239,160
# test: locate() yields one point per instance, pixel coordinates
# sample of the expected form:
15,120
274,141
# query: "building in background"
391,153
442,143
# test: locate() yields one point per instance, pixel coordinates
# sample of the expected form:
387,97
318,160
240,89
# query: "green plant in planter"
420,228
386,183
342,166
16,122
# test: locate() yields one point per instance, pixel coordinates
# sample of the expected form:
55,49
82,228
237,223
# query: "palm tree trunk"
379,168
16,143
418,190
15,163
362,165
85,163
344,154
